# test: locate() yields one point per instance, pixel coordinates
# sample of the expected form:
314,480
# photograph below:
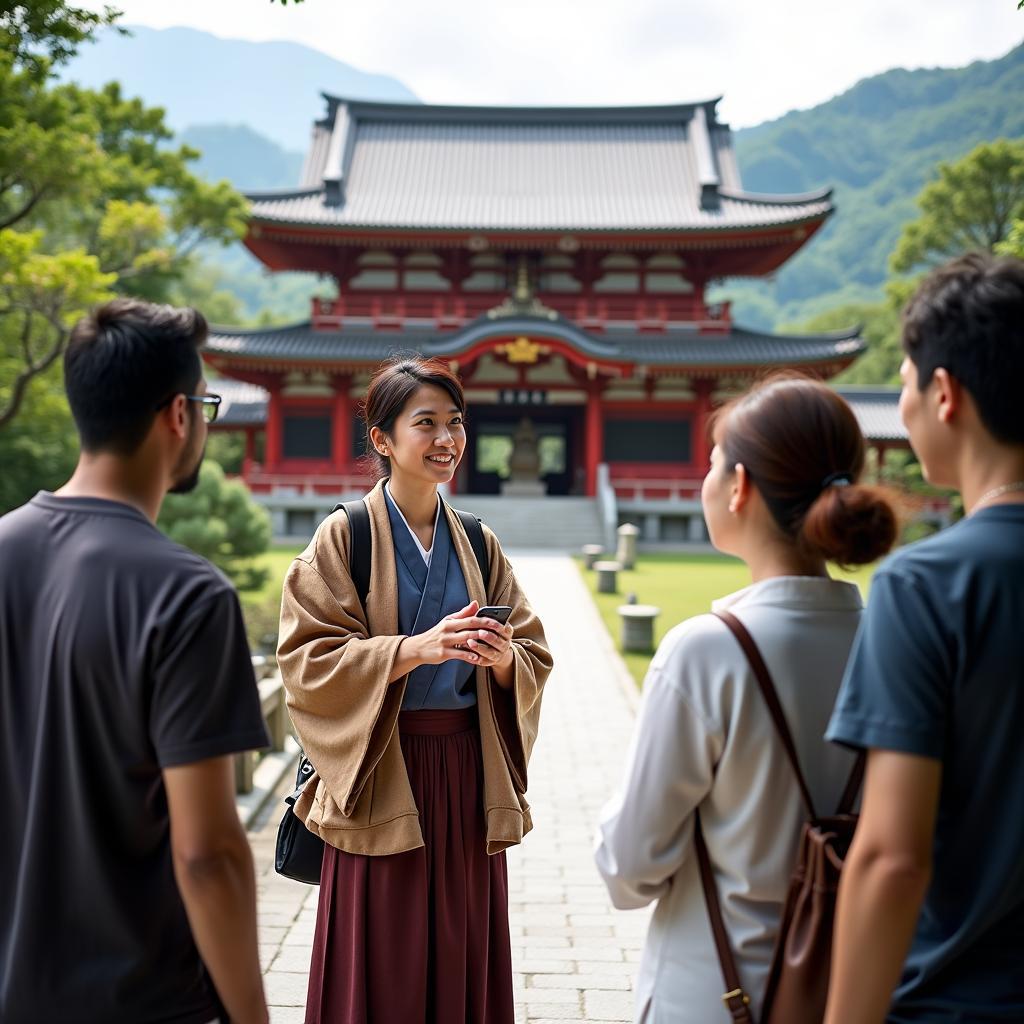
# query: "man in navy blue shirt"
930,921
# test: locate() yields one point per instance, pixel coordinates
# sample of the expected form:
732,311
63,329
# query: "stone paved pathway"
574,956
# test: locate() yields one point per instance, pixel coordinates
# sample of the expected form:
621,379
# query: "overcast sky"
764,57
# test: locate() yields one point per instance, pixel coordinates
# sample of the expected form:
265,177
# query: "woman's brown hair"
803,450
394,383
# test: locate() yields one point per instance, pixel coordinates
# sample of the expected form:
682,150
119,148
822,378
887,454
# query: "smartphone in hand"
498,612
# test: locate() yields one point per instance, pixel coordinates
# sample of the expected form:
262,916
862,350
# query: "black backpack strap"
360,545
475,531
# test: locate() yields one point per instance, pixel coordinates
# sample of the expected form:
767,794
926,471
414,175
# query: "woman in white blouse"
782,495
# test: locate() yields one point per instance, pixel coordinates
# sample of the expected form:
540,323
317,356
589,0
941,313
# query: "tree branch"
25,210
32,369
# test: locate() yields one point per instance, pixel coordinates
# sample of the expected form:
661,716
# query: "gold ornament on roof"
522,301
522,350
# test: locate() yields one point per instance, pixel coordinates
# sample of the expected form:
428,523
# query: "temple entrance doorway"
522,451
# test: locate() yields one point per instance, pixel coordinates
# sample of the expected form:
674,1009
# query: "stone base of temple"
524,488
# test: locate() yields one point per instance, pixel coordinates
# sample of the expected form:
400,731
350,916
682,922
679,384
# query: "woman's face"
428,438
715,495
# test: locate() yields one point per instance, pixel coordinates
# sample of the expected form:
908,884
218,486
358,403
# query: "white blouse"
704,738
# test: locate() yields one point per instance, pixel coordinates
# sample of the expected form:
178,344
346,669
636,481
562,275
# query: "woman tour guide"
420,717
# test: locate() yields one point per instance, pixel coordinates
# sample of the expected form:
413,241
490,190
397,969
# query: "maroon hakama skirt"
419,937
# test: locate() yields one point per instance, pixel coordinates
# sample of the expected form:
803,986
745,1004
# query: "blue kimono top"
426,594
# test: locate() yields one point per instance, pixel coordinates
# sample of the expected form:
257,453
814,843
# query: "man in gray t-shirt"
930,921
126,882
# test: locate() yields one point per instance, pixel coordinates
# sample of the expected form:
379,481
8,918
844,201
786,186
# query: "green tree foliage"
227,449
972,204
879,321
1013,245
220,521
42,33
93,199
39,449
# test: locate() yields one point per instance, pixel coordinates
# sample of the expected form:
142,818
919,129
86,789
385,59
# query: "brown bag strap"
771,698
736,1001
853,784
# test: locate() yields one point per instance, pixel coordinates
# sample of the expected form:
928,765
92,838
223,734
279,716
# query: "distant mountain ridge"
273,88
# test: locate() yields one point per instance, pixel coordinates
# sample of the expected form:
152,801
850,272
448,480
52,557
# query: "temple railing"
310,484
651,489
275,715
454,309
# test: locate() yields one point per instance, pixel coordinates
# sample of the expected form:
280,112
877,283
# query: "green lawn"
277,560
681,586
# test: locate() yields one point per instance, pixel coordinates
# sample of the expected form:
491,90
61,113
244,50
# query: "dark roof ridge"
836,334
234,331
869,391
287,192
464,112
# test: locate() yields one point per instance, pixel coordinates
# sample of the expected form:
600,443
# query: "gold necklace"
1016,485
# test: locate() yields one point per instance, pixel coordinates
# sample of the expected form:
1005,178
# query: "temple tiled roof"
738,347
421,167
877,411
241,404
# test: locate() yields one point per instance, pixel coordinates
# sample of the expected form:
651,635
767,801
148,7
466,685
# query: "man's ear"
175,416
946,395
741,487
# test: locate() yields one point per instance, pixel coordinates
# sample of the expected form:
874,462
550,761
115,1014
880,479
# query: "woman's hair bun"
850,525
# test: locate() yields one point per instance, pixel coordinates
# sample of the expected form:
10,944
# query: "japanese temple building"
557,258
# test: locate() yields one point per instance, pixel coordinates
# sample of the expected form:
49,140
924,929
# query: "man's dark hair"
124,360
968,317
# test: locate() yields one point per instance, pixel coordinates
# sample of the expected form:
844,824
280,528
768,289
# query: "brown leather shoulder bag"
798,979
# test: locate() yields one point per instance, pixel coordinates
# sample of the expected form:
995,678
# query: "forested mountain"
877,144
247,159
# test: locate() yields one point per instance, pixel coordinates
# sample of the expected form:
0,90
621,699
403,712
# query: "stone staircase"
551,523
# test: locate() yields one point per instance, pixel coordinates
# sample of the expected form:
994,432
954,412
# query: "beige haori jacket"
335,661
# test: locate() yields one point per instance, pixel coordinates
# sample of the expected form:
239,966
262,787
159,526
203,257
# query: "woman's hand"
493,643
461,636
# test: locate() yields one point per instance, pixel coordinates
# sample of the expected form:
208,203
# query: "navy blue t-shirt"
938,670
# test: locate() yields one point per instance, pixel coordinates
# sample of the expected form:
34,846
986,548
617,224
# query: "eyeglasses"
210,403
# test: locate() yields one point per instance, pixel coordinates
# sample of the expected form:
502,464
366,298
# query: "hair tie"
839,479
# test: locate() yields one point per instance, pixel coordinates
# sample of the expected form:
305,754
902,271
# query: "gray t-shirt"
121,653
937,670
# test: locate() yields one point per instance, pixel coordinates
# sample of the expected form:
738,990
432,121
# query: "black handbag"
300,853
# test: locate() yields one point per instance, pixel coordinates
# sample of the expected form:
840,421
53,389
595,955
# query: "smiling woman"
419,715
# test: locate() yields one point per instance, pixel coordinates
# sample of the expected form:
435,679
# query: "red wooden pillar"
275,430
593,437
701,441
880,450
341,425
250,452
